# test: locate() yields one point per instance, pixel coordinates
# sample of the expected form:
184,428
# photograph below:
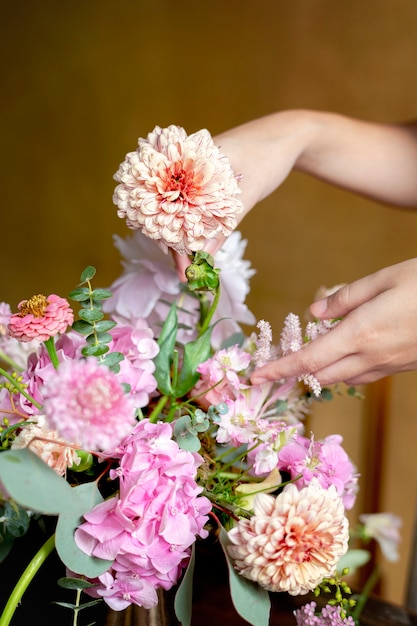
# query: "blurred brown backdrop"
82,80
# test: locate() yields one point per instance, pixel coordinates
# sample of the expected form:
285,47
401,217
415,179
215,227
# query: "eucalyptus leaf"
97,350
67,582
15,519
183,603
34,485
101,294
104,325
80,294
83,327
100,338
250,600
88,273
6,542
91,315
70,554
111,359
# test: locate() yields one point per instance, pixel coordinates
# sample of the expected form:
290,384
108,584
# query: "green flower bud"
201,274
85,463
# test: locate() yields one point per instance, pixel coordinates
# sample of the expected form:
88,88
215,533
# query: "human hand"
377,336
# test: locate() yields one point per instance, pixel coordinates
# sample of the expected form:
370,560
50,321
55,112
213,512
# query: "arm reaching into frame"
374,160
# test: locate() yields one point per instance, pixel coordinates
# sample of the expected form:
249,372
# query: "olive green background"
82,80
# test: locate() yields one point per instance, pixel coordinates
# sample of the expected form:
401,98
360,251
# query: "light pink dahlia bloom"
292,541
178,189
85,402
40,318
48,445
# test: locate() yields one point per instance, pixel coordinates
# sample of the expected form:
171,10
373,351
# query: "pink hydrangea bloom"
149,528
148,270
325,461
120,591
292,541
328,616
178,189
40,318
85,402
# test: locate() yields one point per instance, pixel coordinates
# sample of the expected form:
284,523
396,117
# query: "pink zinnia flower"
40,318
292,541
178,189
85,402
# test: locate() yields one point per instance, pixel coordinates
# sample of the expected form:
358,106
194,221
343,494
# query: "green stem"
25,580
50,346
157,410
20,388
210,313
363,597
10,362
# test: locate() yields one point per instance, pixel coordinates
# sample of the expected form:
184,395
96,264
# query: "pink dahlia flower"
178,189
292,541
40,318
85,402
48,445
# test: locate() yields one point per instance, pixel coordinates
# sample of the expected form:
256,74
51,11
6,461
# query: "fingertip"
319,308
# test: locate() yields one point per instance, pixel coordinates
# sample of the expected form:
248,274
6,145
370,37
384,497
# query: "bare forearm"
375,160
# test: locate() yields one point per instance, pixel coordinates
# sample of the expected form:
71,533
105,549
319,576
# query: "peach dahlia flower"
292,541
178,189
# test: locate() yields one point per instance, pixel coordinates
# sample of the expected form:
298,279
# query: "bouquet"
130,417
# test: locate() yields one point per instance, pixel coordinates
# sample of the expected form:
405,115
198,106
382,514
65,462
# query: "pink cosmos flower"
40,318
325,461
85,402
292,541
178,190
48,445
149,528
328,616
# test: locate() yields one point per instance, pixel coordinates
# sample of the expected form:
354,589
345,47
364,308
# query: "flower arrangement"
137,427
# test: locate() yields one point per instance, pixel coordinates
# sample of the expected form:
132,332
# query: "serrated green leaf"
250,600
70,554
33,484
88,273
83,327
101,294
80,294
195,352
163,359
97,350
91,315
183,603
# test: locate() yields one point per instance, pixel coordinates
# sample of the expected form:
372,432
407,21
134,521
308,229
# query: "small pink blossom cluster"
328,616
149,527
326,461
40,318
251,416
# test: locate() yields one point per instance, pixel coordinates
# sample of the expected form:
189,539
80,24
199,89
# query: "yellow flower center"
34,306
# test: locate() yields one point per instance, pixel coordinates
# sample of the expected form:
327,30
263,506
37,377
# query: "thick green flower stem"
50,346
20,388
25,580
363,596
156,411
210,313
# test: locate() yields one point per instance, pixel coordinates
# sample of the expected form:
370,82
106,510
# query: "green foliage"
251,601
183,602
14,523
92,323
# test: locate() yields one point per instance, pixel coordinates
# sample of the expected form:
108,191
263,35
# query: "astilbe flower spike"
178,189
40,318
